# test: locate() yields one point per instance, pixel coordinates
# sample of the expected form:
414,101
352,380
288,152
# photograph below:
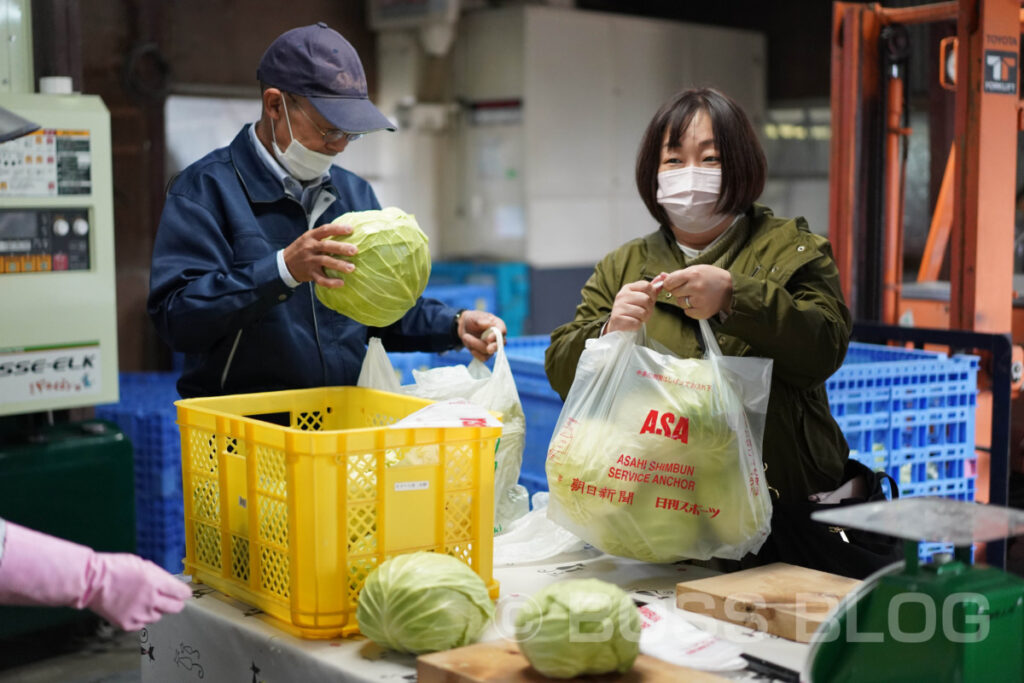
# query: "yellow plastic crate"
293,497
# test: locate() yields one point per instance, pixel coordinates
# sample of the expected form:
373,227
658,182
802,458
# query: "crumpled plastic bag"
534,538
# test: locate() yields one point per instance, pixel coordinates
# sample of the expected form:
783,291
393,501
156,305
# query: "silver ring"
686,300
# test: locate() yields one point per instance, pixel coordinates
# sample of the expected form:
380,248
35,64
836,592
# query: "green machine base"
73,481
943,621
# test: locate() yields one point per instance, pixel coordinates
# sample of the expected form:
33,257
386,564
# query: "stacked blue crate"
146,414
473,297
910,413
511,281
541,406
404,362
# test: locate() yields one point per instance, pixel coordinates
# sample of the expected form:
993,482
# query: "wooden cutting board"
779,598
502,662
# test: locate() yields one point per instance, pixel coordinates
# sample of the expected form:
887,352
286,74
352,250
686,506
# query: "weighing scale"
948,620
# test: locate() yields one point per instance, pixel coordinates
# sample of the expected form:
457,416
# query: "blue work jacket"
216,294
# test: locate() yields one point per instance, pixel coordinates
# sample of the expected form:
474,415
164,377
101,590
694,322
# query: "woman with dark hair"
768,286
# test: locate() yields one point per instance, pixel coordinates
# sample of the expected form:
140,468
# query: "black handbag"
797,539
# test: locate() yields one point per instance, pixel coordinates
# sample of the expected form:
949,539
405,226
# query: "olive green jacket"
787,306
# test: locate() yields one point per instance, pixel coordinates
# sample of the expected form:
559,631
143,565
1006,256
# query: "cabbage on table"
577,627
392,267
423,602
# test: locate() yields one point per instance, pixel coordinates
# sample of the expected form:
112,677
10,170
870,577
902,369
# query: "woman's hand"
309,255
633,306
701,291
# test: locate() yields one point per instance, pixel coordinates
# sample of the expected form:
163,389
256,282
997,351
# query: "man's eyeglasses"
331,136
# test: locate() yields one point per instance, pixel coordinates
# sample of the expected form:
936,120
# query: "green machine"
948,620
73,481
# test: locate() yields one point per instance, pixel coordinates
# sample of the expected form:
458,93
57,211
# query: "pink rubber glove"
126,590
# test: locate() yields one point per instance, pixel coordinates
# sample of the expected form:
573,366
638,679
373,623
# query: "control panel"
44,240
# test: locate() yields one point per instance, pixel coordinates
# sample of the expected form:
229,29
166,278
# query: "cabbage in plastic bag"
578,627
423,602
660,478
392,267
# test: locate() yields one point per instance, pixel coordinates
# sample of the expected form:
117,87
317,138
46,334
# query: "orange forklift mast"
975,207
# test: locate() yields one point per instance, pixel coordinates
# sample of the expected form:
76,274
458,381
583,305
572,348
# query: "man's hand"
473,327
701,291
633,306
309,255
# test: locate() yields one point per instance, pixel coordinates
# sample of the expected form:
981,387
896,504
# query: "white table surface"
216,638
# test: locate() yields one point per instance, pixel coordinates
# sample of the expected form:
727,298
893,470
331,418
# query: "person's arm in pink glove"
126,590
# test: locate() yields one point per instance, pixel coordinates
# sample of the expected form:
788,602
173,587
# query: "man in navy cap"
243,239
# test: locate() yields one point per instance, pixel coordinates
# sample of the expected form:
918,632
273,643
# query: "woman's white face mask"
689,195
299,160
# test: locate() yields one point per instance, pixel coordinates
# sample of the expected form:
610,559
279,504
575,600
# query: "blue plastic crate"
158,465
525,354
404,362
160,532
910,413
511,281
542,406
533,482
476,297
926,551
529,351
961,488
147,416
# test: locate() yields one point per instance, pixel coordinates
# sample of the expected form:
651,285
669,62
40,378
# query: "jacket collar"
664,254
260,184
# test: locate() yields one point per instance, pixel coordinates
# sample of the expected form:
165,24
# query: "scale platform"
935,520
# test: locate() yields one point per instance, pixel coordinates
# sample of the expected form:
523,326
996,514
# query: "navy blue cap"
318,63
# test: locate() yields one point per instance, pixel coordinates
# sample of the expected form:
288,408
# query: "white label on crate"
39,373
411,485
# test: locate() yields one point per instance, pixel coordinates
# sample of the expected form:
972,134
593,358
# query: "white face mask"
299,160
688,196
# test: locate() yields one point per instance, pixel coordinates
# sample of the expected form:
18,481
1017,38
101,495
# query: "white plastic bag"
666,635
659,458
495,391
534,538
377,371
456,412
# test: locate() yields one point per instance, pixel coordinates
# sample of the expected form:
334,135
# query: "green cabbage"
423,602
392,267
625,485
578,627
